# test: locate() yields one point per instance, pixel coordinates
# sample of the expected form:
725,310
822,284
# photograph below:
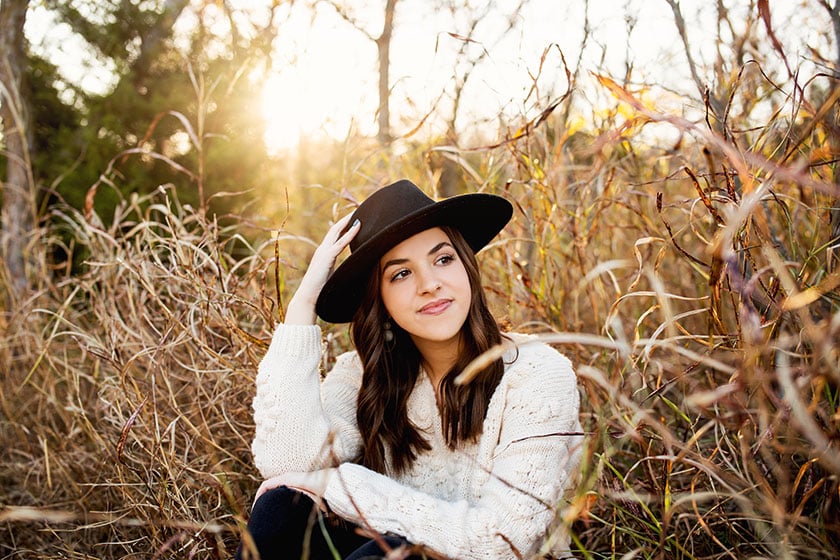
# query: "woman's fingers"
348,236
334,241
301,309
339,225
333,244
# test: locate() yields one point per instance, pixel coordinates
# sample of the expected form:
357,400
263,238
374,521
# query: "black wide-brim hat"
390,216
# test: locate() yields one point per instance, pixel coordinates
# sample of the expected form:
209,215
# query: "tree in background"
184,109
176,99
382,40
18,185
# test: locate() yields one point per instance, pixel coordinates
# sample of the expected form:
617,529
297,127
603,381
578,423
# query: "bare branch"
346,16
692,66
834,12
468,39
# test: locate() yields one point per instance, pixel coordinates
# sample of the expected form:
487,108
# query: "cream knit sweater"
491,499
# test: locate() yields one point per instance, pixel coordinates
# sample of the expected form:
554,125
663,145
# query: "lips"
436,307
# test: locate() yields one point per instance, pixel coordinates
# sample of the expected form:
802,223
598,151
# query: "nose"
428,282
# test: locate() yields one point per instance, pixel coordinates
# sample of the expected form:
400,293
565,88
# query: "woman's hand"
301,309
313,484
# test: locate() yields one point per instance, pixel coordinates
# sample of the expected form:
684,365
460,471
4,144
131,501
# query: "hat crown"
386,207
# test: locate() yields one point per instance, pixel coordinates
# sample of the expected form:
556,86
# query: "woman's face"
425,287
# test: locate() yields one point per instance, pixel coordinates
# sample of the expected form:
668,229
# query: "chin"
438,334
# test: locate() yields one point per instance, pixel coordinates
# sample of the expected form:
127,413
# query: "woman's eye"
445,259
399,275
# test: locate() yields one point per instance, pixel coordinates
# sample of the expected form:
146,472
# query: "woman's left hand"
313,484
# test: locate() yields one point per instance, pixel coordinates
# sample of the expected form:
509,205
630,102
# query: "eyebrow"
434,250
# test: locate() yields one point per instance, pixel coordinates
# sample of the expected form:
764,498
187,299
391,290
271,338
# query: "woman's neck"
438,357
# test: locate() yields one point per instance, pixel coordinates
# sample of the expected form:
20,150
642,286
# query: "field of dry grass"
694,286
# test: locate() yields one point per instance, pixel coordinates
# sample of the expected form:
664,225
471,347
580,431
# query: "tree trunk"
18,214
383,45
833,251
834,13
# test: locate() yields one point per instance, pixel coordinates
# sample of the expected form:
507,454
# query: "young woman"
388,450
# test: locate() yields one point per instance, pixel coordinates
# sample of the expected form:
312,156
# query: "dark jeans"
284,523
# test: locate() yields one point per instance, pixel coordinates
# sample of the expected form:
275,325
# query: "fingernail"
356,222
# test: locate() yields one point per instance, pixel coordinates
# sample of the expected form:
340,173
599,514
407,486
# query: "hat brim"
479,217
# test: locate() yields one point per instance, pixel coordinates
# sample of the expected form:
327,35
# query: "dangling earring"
387,333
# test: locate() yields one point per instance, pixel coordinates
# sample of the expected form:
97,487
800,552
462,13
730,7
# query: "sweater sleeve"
302,424
533,462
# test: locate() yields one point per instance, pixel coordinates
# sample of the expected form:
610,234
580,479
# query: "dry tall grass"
691,285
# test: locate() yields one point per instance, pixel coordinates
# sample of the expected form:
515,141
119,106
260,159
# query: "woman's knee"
281,502
279,517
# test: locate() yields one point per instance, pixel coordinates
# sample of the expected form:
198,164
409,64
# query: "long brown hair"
391,370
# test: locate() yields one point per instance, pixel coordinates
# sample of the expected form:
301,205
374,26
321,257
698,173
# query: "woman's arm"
302,424
298,428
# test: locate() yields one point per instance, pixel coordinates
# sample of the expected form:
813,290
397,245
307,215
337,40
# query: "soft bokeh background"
169,165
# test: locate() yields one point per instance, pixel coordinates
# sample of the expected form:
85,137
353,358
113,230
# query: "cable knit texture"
491,499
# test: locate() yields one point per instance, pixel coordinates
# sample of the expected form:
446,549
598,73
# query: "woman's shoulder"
348,359
539,385
530,347
347,366
531,360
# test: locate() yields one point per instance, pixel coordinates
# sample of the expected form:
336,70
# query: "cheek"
391,297
462,279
